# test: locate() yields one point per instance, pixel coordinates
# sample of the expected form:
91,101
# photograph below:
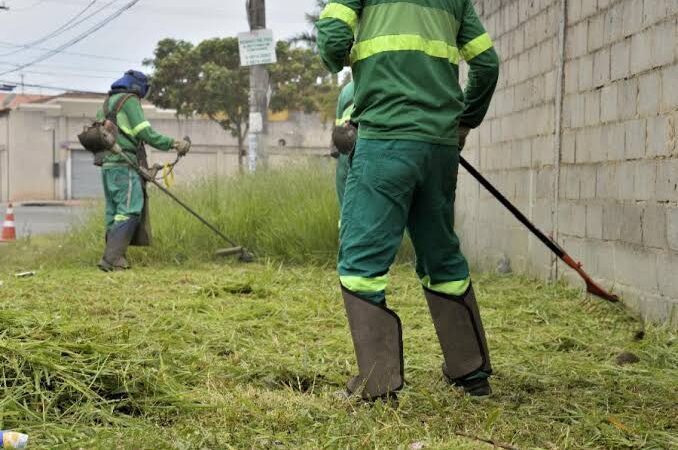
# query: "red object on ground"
8,227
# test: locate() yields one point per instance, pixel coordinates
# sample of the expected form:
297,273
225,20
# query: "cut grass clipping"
183,353
251,356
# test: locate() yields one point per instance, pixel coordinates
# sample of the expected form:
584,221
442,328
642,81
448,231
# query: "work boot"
462,339
120,264
378,344
118,239
479,387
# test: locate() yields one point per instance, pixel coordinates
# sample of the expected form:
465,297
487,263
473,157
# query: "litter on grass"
12,439
24,274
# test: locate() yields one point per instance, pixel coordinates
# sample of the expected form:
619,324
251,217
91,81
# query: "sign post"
257,48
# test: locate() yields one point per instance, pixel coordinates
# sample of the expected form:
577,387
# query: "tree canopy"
207,79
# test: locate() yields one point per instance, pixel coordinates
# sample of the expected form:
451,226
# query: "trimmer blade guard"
244,255
229,251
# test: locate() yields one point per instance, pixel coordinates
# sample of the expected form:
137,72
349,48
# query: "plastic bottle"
12,439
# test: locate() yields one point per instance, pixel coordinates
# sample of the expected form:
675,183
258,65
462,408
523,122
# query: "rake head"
592,287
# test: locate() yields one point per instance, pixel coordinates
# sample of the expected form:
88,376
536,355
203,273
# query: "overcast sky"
125,41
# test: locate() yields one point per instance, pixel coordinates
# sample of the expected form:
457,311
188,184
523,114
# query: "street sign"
256,47
256,122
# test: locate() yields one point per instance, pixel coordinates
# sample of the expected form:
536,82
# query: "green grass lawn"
250,356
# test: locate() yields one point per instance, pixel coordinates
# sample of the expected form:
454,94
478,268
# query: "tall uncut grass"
288,214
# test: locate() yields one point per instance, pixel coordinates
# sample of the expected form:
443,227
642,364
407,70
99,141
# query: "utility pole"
23,87
259,84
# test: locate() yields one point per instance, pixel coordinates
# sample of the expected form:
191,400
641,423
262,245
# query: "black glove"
344,137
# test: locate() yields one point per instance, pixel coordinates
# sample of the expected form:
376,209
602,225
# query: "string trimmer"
150,176
591,286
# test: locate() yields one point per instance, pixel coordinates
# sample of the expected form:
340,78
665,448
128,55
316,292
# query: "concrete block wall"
603,178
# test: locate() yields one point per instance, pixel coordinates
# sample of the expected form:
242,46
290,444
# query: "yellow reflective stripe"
476,47
341,12
120,218
363,284
139,128
347,115
455,288
404,42
125,130
407,17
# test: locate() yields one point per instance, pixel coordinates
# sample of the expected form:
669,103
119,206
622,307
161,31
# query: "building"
13,100
41,158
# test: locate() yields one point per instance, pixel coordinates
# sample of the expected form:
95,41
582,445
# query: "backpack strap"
112,115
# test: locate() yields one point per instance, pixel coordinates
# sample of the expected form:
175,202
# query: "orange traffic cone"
8,228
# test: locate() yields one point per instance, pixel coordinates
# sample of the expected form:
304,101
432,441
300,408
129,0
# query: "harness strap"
113,115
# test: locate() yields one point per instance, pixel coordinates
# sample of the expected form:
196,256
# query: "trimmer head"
244,255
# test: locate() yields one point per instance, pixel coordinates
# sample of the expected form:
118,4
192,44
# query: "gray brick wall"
605,179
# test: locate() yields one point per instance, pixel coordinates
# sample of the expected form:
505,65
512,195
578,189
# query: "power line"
77,39
37,3
62,29
69,68
67,74
83,55
53,88
190,10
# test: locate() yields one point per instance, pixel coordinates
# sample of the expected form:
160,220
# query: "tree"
207,79
311,38
326,97
299,81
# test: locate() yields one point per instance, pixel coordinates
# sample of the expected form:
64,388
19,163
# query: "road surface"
47,219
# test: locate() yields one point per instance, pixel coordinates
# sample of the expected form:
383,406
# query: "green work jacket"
132,121
405,59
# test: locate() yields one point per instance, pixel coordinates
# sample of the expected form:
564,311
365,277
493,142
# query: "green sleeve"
336,29
345,102
478,51
340,105
141,129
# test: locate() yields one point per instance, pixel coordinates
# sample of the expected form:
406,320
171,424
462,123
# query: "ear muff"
140,84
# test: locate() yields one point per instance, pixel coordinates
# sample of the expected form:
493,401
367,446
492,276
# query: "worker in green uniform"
343,137
413,118
123,187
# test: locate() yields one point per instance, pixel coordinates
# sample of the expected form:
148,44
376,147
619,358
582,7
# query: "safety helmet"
133,81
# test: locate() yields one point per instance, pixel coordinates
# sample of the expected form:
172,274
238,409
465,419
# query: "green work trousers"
395,185
123,192
342,174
